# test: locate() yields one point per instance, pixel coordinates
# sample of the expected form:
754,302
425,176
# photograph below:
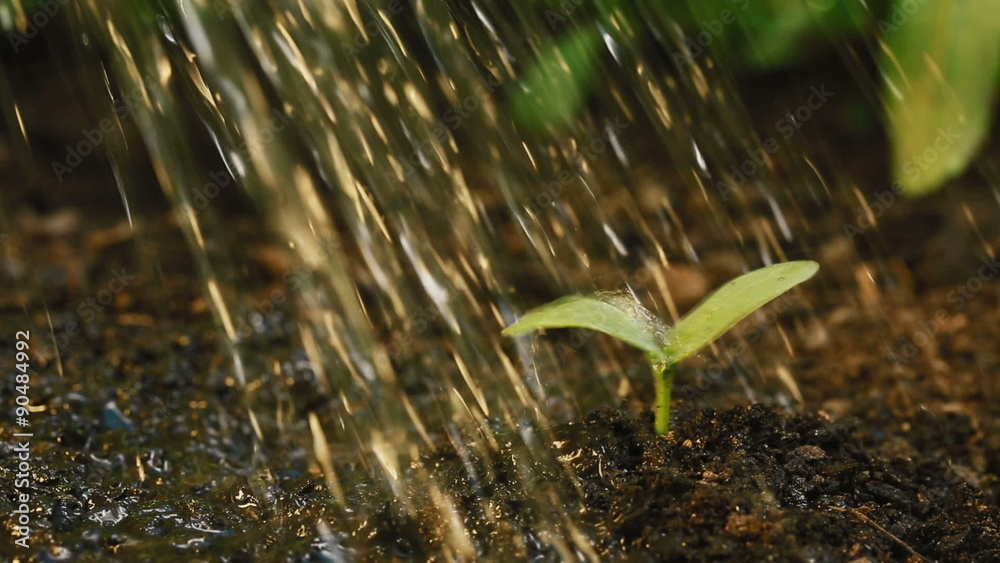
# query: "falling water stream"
372,144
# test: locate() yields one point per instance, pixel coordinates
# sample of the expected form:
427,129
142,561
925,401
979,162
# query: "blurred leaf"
732,303
556,86
940,66
615,315
769,34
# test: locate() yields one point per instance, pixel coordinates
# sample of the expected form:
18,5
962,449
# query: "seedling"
627,320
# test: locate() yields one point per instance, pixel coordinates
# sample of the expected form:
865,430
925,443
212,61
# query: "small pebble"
743,525
809,452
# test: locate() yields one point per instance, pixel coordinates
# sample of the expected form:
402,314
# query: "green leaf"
941,64
771,34
556,86
732,303
617,315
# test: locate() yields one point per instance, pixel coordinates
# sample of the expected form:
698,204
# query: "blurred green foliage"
940,69
557,85
938,59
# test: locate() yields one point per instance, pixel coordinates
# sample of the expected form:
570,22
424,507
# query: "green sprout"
629,321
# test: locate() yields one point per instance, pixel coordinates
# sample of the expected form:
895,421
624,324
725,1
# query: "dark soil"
750,484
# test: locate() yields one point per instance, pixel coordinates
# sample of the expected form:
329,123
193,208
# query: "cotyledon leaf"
732,303
614,315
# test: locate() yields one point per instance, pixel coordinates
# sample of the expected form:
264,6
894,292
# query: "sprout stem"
664,375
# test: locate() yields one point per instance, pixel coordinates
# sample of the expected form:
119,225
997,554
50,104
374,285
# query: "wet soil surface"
142,449
750,484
